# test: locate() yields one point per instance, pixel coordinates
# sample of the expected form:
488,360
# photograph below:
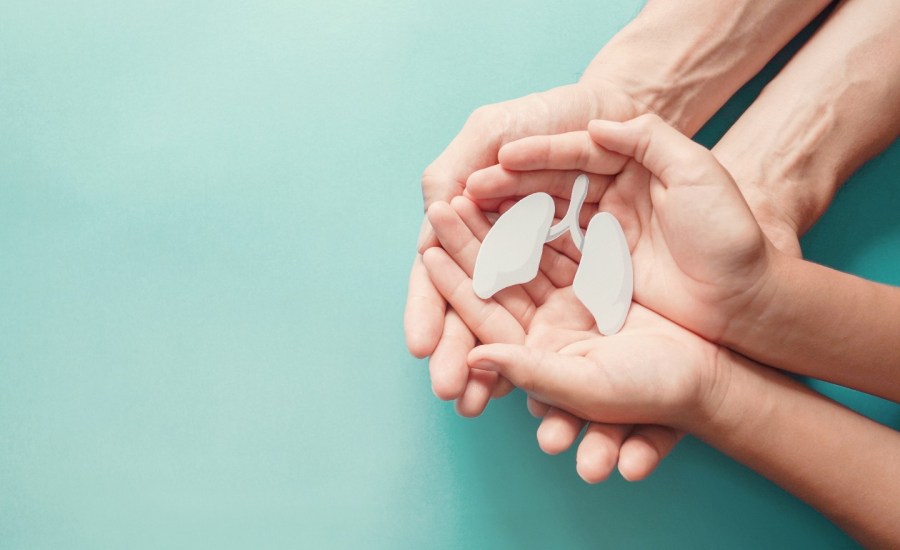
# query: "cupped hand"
651,372
430,327
700,258
542,314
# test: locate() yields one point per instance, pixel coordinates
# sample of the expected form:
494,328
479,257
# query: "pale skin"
657,63
702,261
840,79
654,372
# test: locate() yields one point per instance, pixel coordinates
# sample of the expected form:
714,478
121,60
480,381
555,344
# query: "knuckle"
583,155
494,119
484,115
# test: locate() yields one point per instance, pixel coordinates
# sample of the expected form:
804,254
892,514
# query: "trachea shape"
511,255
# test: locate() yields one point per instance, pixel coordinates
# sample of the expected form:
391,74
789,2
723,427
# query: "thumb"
572,383
667,153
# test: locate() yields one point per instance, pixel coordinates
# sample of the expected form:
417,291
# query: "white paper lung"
511,251
604,281
511,255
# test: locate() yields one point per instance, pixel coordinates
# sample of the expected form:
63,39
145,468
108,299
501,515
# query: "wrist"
787,188
775,219
736,400
649,80
761,318
683,60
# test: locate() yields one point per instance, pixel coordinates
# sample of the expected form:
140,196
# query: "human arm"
841,463
681,60
819,322
654,372
702,261
826,113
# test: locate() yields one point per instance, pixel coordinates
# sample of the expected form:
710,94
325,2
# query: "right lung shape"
511,251
605,280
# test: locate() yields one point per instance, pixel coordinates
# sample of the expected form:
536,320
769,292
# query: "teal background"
207,215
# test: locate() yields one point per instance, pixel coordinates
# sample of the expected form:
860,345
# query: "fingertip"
638,458
427,241
595,463
442,392
607,133
447,380
461,203
485,357
601,125
438,212
478,184
423,325
432,255
503,388
553,440
536,408
419,345
488,183
508,155
477,393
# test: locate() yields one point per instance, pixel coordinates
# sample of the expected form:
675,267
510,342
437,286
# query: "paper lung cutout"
511,251
604,281
511,254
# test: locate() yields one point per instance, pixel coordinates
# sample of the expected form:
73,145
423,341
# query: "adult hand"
427,320
700,257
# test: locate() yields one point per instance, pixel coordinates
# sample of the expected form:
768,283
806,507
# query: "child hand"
700,258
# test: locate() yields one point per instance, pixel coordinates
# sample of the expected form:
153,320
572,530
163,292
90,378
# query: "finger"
454,235
473,148
423,318
462,245
473,216
503,388
558,430
666,152
645,448
567,382
485,205
476,146
427,238
496,182
536,408
489,321
568,151
598,451
477,394
448,368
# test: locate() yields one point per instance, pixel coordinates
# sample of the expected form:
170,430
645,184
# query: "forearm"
841,463
829,110
683,60
818,322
